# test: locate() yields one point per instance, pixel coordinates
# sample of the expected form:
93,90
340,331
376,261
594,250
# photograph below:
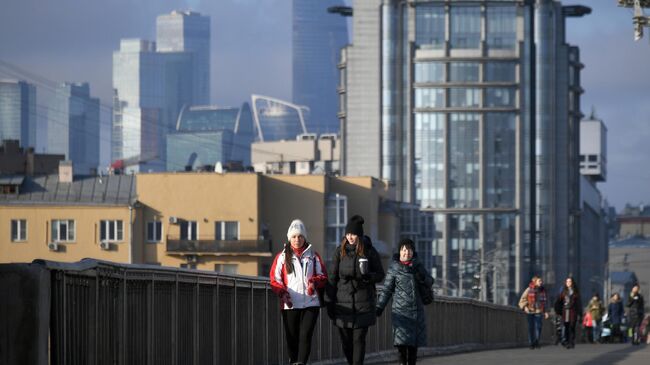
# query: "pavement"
582,354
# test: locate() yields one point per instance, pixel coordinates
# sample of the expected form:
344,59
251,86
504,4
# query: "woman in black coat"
351,296
404,276
635,314
571,311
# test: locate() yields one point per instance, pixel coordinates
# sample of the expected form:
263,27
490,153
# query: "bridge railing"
95,312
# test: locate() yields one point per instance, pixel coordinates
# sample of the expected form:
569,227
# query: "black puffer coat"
409,323
351,297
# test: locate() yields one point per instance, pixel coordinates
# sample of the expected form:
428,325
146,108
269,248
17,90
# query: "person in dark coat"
616,312
409,323
350,292
635,314
569,301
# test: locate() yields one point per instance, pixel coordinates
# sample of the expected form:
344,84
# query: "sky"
73,40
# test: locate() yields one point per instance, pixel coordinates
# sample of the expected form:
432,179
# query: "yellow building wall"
85,245
288,197
205,198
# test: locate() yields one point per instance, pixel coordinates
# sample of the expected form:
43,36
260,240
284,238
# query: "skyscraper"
470,110
152,84
317,40
188,32
18,112
73,126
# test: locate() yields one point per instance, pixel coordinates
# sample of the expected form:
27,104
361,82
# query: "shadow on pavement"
614,356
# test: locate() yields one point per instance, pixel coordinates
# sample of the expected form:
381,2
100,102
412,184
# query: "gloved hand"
310,288
285,298
378,311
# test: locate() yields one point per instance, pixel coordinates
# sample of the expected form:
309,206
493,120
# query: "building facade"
277,120
15,160
205,135
475,118
73,126
230,222
308,154
153,83
188,32
317,39
18,112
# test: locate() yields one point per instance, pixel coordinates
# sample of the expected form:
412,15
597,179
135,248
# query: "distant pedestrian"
298,272
351,294
635,315
587,327
405,274
569,301
616,312
597,310
533,302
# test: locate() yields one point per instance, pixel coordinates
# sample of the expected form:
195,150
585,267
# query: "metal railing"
106,313
211,245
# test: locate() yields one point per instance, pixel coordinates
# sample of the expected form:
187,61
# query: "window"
500,72
429,98
430,72
337,217
465,27
226,268
500,97
501,26
465,97
463,71
154,231
430,25
189,230
188,266
63,230
226,231
18,230
111,231
593,158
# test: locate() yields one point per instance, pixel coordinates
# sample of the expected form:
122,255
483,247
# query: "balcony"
209,245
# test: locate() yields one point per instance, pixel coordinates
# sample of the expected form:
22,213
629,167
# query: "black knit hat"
406,242
355,226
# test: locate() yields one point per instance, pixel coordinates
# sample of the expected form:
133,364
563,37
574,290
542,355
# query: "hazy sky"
73,40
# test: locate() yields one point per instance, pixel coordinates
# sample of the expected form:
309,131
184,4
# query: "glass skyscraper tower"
18,112
152,83
73,126
317,40
474,118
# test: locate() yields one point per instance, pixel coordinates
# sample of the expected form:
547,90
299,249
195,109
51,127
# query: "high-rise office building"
73,126
153,83
188,32
206,135
277,120
471,110
317,40
18,112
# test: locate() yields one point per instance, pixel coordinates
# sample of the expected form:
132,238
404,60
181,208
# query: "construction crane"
639,19
117,167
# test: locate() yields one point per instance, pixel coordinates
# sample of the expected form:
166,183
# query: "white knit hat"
297,227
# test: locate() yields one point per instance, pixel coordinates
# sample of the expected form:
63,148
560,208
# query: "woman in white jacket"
298,272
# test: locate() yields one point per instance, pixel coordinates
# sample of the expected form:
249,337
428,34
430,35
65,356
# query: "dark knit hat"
355,226
406,242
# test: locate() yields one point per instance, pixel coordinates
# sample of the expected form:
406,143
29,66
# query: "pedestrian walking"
596,309
297,273
587,327
569,300
351,294
404,278
533,302
635,315
616,312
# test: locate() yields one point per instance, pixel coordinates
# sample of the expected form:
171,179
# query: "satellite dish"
218,167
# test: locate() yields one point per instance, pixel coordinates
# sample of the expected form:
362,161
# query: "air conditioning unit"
173,220
105,245
53,246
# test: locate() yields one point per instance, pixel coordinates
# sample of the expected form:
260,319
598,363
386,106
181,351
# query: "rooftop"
84,190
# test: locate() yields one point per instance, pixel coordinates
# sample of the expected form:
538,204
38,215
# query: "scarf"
536,297
298,251
407,263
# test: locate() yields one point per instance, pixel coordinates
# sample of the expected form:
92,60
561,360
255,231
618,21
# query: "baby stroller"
606,333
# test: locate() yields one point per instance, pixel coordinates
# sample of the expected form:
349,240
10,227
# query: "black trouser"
407,354
354,344
570,333
299,327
